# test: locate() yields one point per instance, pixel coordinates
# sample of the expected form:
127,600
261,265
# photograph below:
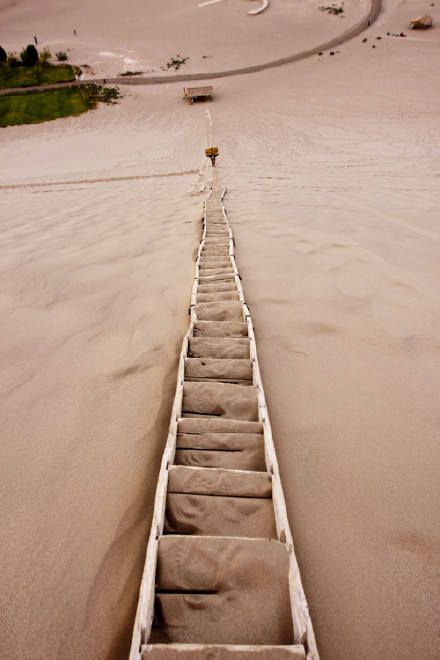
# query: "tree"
29,55
3,55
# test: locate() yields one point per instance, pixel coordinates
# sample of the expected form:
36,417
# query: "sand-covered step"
220,400
220,328
215,258
220,311
217,287
234,441
212,279
218,369
214,215
222,348
217,481
243,459
199,425
233,451
221,270
217,222
217,230
204,258
222,591
221,652
218,296
206,264
215,250
217,239
206,515
218,251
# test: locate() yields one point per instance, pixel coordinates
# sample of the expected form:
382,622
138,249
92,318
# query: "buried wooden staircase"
221,578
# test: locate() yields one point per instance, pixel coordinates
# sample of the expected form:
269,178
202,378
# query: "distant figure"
36,41
213,157
74,32
104,80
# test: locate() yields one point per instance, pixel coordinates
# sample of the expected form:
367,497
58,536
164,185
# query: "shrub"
13,59
130,73
333,10
175,63
29,55
61,56
45,56
3,55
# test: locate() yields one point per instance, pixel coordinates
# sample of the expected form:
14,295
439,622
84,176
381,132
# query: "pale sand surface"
333,196
145,35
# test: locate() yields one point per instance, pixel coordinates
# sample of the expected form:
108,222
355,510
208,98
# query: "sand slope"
332,180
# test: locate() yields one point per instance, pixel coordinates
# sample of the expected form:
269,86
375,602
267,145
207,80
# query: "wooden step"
224,270
211,263
219,502
215,250
224,348
221,311
224,652
205,515
217,425
220,590
232,459
216,239
219,296
217,230
219,258
217,287
207,481
220,400
220,329
217,369
236,451
210,279
221,441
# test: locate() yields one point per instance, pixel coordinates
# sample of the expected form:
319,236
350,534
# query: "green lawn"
34,107
17,76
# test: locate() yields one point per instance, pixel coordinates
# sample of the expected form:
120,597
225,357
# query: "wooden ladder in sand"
221,578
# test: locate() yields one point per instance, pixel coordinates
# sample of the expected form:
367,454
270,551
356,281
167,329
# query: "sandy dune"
331,167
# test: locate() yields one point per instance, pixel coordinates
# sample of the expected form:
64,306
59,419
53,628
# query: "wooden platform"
193,94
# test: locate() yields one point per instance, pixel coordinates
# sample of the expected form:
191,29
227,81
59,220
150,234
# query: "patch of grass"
334,9
24,76
61,56
35,107
175,63
130,73
104,94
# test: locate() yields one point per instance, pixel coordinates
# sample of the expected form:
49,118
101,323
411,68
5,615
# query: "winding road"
363,24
